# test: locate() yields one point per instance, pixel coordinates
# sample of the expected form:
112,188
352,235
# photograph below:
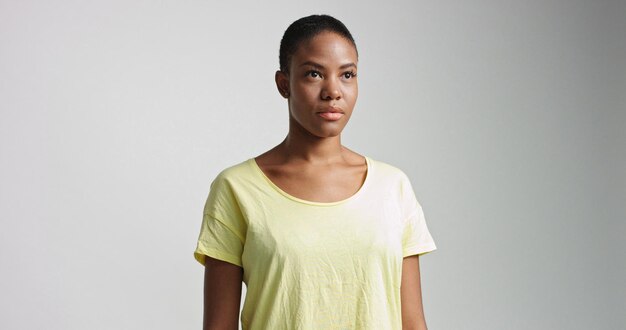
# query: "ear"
282,83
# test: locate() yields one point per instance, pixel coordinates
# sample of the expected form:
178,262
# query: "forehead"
327,48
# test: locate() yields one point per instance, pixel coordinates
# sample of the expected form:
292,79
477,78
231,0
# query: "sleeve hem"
418,249
202,252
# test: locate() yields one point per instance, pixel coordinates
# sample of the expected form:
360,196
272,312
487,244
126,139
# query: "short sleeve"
222,233
416,238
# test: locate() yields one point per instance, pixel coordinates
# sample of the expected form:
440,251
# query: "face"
321,80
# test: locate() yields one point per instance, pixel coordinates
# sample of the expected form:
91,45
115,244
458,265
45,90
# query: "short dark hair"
304,29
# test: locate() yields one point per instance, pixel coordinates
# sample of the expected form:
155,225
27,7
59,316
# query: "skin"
222,295
311,164
411,295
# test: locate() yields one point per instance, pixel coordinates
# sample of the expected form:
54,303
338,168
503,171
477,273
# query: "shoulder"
388,171
223,199
234,174
397,182
233,170
380,167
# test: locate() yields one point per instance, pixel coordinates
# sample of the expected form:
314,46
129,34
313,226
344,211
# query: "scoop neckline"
368,173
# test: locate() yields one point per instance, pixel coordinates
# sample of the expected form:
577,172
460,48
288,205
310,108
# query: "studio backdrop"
508,117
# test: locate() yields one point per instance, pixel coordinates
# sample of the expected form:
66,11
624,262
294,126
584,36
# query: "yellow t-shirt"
313,265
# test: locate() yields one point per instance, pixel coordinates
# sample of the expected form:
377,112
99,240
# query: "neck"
301,145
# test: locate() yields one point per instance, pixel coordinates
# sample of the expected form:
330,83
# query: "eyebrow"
317,65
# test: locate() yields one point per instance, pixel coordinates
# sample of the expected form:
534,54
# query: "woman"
323,237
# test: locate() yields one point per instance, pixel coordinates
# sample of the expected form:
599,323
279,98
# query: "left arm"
411,295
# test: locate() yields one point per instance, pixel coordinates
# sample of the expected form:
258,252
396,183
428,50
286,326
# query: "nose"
331,90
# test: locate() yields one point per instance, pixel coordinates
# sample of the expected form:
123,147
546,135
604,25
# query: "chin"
328,133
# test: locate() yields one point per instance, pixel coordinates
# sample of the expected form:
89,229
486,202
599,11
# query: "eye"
313,74
349,74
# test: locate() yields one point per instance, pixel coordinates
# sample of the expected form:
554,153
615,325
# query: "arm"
411,295
222,295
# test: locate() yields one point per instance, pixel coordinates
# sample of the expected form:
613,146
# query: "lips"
331,115
332,110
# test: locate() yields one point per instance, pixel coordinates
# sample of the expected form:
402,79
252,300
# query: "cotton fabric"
314,265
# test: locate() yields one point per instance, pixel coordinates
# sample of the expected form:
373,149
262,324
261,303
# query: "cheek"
352,93
306,93
302,98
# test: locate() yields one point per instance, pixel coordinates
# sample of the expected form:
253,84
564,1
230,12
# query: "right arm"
222,295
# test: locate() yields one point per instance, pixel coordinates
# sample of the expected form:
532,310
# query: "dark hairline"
306,28
327,30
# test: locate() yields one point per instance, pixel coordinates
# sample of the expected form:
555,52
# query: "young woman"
323,237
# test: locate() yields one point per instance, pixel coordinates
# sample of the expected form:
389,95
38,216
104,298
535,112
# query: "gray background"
508,116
